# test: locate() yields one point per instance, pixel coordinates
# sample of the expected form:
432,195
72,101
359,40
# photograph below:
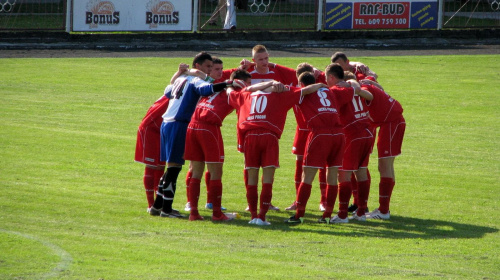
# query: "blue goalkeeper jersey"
184,95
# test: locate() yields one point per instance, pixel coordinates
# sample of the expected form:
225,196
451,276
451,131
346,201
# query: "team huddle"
337,112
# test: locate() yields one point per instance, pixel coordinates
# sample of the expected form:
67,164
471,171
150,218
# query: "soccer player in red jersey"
147,149
324,147
358,142
204,145
262,116
300,139
386,113
264,71
218,74
360,70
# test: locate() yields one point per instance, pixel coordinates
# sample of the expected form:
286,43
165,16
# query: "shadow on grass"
397,227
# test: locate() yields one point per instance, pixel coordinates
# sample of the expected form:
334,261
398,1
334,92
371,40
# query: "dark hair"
336,70
307,78
200,58
216,60
240,75
304,67
339,55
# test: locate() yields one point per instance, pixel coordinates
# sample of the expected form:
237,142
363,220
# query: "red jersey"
155,113
383,108
266,110
319,109
212,109
301,122
321,78
285,75
353,115
226,75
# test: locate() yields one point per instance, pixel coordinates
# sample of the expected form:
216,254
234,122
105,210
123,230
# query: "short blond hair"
348,75
258,49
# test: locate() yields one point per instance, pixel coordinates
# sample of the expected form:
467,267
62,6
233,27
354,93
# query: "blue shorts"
173,140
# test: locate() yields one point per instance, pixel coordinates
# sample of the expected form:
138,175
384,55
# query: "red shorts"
147,147
204,143
261,149
299,142
358,148
390,138
324,148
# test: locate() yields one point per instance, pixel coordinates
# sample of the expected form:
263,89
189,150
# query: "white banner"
132,15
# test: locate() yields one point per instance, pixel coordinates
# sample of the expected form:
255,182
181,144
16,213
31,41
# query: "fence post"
69,9
319,24
195,15
440,15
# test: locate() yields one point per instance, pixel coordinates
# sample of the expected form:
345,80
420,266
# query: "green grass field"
72,204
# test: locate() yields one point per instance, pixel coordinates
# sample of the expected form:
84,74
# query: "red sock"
207,183
194,194
158,175
385,192
265,200
216,197
252,199
363,194
298,175
149,185
354,189
322,185
344,197
188,178
245,176
331,196
302,198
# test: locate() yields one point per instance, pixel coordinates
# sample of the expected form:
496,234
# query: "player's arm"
370,82
183,67
361,92
200,74
364,69
205,89
312,88
245,64
260,86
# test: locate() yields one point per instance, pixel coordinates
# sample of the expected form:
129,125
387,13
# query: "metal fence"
261,15
32,14
471,13
254,15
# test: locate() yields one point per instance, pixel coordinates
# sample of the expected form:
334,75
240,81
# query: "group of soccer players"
337,111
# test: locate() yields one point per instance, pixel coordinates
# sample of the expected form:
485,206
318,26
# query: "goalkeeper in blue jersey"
183,95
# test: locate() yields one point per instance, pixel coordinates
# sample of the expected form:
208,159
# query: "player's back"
184,94
212,109
319,110
353,114
383,107
266,110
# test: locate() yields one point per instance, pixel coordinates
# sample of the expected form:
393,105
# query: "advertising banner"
390,14
131,15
